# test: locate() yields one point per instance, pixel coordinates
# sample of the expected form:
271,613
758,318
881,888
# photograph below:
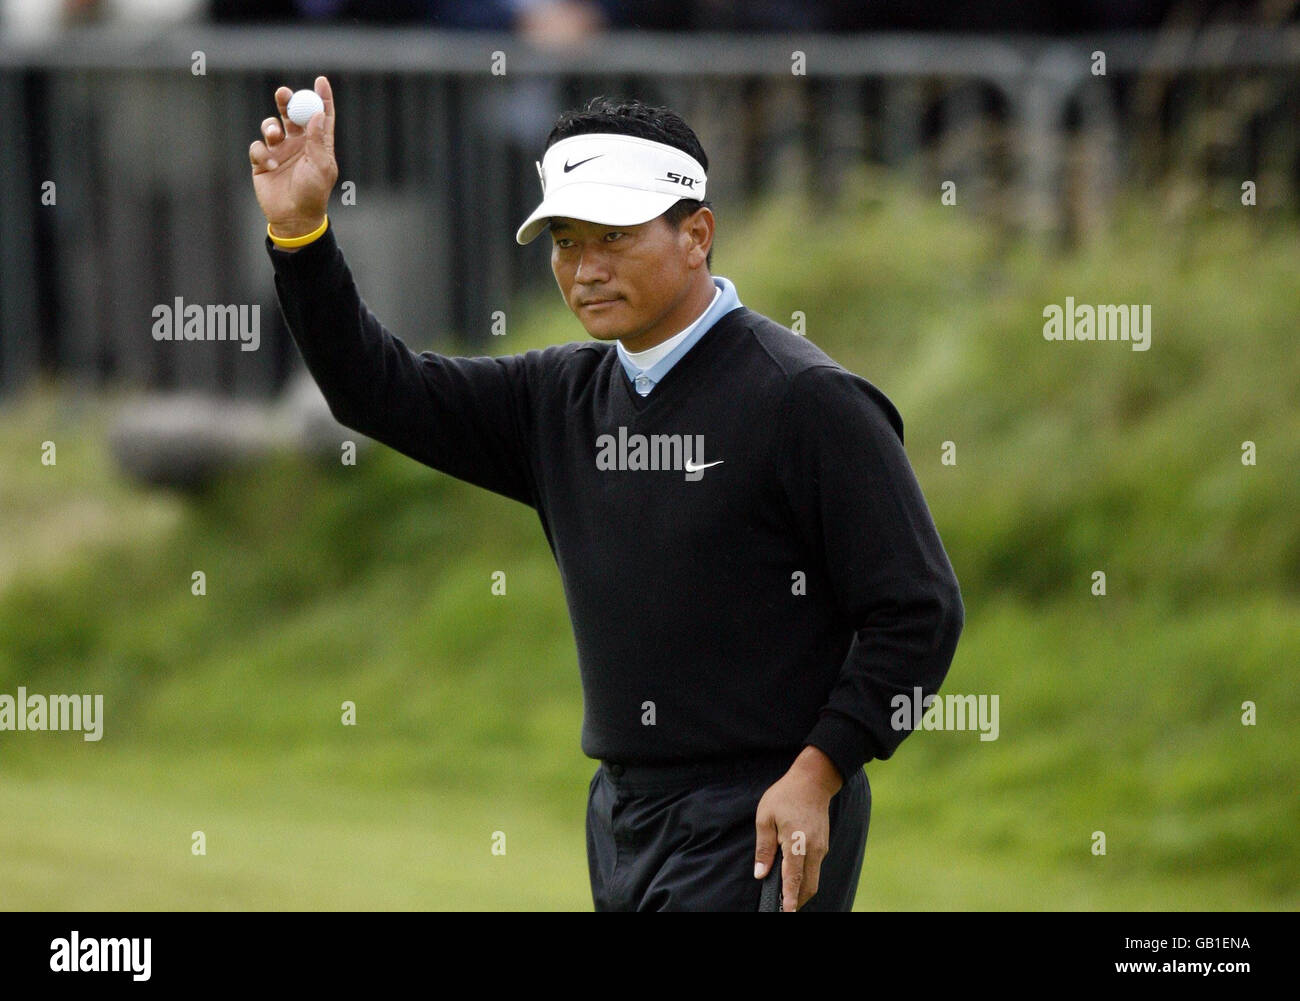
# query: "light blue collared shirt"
644,380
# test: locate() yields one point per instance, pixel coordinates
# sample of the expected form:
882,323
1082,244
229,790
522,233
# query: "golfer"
750,568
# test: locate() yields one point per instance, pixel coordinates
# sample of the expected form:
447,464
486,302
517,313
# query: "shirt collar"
725,299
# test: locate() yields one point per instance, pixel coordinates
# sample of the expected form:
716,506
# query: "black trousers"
682,837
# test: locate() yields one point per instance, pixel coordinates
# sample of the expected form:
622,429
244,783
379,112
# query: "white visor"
613,180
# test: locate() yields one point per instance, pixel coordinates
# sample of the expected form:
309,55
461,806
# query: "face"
648,275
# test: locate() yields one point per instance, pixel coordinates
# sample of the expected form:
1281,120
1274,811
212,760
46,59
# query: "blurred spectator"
544,20
560,22
373,11
984,17
34,20
724,15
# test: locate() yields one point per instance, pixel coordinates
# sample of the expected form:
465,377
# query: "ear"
698,228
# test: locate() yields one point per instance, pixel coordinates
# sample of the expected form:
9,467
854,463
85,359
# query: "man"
750,568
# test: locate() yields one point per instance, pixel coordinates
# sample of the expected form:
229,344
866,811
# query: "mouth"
593,303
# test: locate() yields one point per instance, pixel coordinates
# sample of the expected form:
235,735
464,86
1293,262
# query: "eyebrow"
555,226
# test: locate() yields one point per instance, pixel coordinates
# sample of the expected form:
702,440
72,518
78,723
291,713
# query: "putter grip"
769,898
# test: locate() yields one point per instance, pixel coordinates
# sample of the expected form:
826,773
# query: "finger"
272,131
811,874
290,127
764,846
810,853
260,157
326,94
792,872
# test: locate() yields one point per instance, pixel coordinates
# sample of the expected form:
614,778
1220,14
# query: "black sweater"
779,597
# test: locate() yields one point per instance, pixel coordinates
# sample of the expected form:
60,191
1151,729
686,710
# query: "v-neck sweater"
747,558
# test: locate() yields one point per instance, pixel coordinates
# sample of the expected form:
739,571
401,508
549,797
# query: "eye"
563,242
615,234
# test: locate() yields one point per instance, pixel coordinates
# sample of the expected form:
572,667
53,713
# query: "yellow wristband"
298,241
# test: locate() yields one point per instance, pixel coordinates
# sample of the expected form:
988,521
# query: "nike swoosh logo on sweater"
692,467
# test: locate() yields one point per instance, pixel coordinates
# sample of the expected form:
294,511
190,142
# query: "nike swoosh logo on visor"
569,166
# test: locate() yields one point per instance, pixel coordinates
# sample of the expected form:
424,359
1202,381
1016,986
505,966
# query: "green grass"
1141,741
116,833
373,584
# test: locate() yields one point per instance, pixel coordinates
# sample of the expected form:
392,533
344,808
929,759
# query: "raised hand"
294,169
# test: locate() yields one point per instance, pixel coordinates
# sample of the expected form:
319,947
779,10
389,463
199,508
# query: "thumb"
764,848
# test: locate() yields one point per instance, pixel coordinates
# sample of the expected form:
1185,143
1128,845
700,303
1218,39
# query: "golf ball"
303,105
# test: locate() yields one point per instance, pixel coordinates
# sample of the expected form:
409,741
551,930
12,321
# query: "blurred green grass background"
1119,714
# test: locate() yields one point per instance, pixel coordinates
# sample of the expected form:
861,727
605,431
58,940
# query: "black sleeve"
467,417
856,498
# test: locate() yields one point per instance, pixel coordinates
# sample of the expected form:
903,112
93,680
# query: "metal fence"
126,178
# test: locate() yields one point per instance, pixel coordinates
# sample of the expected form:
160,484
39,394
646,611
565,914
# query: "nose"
591,266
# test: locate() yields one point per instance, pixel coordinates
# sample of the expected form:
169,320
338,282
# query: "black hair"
646,121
